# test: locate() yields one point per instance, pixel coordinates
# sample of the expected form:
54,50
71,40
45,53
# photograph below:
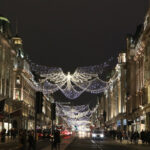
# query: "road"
107,144
81,143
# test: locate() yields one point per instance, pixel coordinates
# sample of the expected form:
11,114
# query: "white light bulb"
68,76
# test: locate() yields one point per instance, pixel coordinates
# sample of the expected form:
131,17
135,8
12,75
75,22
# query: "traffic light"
39,102
2,104
53,111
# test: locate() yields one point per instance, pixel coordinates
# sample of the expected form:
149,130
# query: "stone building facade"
113,101
127,100
7,58
17,93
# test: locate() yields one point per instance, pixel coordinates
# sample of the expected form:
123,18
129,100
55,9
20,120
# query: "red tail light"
40,134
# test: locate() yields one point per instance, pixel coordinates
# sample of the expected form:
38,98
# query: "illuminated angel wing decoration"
84,79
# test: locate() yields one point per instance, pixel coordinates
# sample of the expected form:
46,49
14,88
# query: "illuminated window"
17,94
18,41
18,80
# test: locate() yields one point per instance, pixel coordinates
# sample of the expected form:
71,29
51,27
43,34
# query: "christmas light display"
76,115
84,79
73,85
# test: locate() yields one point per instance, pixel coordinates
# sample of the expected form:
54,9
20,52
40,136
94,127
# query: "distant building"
113,101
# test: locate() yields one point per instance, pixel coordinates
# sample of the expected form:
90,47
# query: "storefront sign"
119,123
124,122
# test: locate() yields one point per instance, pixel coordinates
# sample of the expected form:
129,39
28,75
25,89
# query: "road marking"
93,141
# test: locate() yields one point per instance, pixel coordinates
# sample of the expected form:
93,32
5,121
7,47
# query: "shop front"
7,126
30,124
139,124
125,124
143,122
118,124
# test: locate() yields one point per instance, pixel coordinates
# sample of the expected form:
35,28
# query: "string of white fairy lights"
84,79
76,115
72,86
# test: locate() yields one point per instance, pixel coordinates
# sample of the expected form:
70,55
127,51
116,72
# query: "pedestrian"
56,142
31,141
132,136
22,139
148,137
11,132
142,135
3,134
136,137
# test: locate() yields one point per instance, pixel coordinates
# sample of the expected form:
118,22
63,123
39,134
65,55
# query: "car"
39,133
66,132
97,135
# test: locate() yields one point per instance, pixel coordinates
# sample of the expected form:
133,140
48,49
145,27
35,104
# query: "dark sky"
71,33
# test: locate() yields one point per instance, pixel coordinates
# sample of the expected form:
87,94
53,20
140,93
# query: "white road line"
93,141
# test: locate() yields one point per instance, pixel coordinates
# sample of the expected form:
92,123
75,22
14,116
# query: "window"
18,80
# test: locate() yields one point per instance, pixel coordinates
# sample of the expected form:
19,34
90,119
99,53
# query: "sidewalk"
134,146
14,144
64,143
8,140
9,144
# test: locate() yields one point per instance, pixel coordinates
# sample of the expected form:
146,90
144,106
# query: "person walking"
31,141
143,136
56,142
3,134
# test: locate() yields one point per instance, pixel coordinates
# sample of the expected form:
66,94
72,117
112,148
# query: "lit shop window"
18,41
18,80
17,94
43,110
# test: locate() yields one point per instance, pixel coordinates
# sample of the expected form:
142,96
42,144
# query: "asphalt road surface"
89,144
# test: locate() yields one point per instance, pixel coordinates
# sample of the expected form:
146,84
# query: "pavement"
138,146
87,143
9,144
42,144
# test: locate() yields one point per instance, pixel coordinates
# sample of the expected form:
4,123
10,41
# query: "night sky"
72,33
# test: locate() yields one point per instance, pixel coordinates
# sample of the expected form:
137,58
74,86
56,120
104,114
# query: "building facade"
113,101
7,58
127,100
17,91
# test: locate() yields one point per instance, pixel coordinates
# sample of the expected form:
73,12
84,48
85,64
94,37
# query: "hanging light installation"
84,79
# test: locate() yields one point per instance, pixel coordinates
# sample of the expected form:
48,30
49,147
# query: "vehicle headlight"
93,135
101,135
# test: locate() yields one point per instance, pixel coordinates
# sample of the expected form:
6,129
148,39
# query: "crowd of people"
133,136
27,138
12,133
